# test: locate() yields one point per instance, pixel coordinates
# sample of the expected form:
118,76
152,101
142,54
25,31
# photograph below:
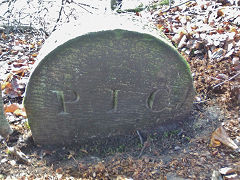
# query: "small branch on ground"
18,155
59,15
140,137
145,145
81,5
170,6
227,80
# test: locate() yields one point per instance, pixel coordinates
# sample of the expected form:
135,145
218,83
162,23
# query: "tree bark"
5,128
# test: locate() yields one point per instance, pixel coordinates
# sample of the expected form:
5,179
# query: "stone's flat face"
5,129
106,83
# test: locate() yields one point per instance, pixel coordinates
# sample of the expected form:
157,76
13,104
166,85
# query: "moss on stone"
113,81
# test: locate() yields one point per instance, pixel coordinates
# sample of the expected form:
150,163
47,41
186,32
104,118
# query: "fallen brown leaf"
6,85
20,112
11,108
220,136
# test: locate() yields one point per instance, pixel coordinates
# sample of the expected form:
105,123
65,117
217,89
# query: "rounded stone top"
88,24
105,76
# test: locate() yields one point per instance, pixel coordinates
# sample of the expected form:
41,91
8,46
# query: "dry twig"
170,6
227,80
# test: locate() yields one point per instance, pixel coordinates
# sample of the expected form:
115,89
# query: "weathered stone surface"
5,129
107,76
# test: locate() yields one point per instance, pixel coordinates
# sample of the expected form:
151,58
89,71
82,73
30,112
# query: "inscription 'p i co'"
63,103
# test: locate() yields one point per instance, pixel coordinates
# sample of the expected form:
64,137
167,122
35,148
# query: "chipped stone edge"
5,128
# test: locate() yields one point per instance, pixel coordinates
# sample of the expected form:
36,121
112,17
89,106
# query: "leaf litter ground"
207,34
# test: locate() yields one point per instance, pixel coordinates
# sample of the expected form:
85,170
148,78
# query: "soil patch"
160,148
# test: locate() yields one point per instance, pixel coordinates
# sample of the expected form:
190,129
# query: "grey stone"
5,129
107,76
177,148
216,175
172,176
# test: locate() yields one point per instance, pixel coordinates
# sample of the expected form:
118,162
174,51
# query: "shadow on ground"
160,145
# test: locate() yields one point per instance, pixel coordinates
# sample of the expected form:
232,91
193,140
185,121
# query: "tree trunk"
5,128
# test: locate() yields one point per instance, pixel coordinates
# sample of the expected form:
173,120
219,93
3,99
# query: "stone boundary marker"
109,75
5,129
